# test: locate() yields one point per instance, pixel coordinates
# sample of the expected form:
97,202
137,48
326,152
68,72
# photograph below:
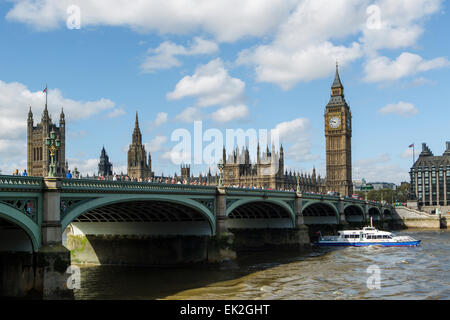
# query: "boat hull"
365,244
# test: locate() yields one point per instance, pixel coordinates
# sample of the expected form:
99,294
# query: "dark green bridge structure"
117,222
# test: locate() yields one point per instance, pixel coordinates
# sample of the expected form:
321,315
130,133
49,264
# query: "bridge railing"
20,182
231,190
107,185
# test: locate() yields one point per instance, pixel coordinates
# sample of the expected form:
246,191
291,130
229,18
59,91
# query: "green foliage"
388,195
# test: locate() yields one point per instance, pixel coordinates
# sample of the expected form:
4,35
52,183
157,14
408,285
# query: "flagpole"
414,157
46,93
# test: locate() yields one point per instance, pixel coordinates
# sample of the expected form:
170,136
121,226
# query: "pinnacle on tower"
337,80
30,114
136,124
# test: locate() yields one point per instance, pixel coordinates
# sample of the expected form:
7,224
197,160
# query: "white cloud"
226,20
116,113
302,38
189,115
407,154
286,67
304,47
156,144
164,56
407,64
177,157
161,118
210,84
88,166
400,23
231,113
401,108
294,135
379,168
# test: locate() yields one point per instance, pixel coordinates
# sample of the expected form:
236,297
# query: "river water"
325,273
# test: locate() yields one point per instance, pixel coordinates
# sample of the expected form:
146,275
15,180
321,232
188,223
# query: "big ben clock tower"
338,135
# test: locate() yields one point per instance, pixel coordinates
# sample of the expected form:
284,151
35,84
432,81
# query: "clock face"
335,122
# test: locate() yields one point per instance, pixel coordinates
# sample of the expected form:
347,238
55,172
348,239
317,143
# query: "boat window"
379,237
346,236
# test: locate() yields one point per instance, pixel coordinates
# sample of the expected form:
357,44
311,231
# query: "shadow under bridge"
143,217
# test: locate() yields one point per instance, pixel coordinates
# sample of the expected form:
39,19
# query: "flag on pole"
45,90
411,146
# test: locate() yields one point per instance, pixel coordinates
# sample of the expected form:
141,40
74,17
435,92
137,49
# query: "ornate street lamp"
53,145
298,182
220,165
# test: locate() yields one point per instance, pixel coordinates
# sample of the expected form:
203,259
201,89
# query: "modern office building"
430,180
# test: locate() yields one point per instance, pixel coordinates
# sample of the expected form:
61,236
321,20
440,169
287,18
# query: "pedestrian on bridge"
24,174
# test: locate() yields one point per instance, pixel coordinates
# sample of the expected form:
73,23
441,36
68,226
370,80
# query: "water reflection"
405,273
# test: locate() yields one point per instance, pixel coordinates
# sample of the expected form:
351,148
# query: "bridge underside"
354,214
142,218
13,238
255,215
375,214
319,213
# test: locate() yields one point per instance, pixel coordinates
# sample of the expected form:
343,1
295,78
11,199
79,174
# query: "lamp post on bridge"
220,165
298,183
53,143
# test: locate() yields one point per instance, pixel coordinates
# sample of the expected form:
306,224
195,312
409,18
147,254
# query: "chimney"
447,149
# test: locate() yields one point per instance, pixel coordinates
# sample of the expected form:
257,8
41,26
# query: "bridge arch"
320,212
375,213
19,219
354,213
110,200
272,213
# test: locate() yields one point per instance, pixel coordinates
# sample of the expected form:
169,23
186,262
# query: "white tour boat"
368,236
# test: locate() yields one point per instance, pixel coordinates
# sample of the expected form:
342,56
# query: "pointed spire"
136,124
30,114
62,115
337,80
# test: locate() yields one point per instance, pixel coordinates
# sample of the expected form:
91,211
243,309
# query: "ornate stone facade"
138,167
338,135
268,172
38,154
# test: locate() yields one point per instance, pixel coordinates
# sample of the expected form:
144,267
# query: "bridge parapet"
19,182
123,186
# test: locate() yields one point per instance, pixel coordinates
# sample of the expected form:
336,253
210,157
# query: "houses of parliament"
238,170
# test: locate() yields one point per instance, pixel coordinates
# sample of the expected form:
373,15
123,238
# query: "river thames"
325,273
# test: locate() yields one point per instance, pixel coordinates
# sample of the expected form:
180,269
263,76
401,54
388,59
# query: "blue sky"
268,65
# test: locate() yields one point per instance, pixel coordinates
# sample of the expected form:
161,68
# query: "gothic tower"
338,134
104,165
138,167
38,154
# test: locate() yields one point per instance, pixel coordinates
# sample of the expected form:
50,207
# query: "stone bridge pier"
37,269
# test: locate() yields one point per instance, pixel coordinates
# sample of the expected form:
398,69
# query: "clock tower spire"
338,134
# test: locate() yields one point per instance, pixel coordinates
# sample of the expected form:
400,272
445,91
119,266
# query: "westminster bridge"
121,222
